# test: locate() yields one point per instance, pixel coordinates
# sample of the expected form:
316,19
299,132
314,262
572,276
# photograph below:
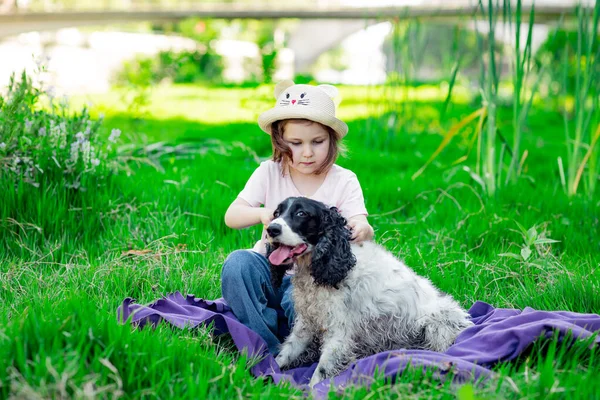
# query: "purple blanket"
498,335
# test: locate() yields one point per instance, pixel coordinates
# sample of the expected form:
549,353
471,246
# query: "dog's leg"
443,327
336,355
295,344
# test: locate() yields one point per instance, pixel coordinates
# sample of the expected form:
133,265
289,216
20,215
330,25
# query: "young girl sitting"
305,135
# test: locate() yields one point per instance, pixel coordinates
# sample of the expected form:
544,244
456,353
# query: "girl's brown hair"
283,154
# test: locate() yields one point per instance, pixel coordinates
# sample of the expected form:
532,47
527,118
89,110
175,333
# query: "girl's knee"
234,264
239,266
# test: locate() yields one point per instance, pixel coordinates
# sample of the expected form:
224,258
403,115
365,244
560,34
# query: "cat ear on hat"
332,92
281,86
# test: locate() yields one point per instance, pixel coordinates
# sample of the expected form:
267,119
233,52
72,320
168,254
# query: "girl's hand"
361,230
266,216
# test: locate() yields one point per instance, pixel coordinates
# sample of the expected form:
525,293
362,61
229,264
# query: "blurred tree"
335,59
431,50
553,51
202,30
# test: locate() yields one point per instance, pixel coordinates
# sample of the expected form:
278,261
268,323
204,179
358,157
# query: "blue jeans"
247,289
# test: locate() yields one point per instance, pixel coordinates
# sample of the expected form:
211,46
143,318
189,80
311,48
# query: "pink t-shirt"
268,187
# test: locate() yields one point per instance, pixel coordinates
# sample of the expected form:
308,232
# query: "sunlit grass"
205,104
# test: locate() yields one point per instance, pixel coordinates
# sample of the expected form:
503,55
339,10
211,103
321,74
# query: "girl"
305,135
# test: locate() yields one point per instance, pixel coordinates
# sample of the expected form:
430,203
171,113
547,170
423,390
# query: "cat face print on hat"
315,103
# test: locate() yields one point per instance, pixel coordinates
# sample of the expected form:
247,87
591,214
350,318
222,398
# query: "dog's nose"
274,230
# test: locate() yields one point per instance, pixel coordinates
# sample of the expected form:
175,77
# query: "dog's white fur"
288,236
380,305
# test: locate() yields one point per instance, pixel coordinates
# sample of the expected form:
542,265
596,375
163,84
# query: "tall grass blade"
561,171
453,76
587,156
454,130
585,107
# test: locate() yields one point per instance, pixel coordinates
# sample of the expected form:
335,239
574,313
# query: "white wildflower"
54,134
80,137
74,152
95,162
85,152
114,135
28,125
2,146
51,92
62,135
42,131
75,185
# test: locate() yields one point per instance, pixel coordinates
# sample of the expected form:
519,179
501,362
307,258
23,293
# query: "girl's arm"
241,214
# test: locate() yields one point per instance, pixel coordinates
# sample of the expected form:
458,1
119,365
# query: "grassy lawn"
63,271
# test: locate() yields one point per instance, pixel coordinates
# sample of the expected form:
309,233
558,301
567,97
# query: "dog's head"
304,227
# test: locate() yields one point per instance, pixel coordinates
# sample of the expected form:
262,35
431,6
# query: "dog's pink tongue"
280,254
284,252
299,249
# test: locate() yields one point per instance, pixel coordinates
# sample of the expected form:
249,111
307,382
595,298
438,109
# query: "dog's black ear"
277,271
332,256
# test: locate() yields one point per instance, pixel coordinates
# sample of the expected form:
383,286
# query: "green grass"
63,272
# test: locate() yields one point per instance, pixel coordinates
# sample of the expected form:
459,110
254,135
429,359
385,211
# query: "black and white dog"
351,300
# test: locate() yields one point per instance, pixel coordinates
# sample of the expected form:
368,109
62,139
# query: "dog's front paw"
282,360
318,376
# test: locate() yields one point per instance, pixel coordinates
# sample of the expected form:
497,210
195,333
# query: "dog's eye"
301,214
276,214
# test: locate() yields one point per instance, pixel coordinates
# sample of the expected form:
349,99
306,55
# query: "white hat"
315,103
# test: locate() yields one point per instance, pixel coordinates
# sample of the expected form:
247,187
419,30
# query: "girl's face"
309,143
